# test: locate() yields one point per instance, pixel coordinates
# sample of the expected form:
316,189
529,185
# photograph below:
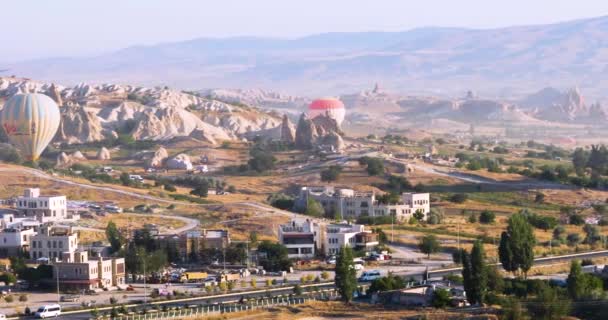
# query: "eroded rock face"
55,94
334,140
158,158
104,154
77,155
79,125
306,133
180,162
63,160
288,131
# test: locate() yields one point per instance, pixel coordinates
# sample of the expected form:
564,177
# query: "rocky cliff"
95,112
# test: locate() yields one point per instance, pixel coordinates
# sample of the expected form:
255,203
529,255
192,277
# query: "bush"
23,298
459,197
9,299
487,216
375,166
325,275
169,187
331,174
576,219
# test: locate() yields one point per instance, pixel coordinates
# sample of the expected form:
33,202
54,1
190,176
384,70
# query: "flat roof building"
42,208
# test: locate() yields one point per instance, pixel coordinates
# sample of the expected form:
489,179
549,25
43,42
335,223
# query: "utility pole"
145,287
57,272
392,228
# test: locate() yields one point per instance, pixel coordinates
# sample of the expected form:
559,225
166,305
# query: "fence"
202,311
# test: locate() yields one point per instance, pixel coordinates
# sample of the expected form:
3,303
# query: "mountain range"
494,62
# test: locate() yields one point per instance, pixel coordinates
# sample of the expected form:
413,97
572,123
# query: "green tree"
418,215
346,276
429,244
487,216
573,239
114,237
513,310
314,208
548,305
592,234
582,285
441,298
201,189
275,256
390,282
459,197
331,174
579,161
516,249
474,273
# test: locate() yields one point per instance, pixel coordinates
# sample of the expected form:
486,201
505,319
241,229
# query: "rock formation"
103,154
306,133
77,155
288,131
334,141
54,93
63,160
159,157
180,161
79,125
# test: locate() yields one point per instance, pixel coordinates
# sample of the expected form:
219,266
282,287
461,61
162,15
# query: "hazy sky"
32,29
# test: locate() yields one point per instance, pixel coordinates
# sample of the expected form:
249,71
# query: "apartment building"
304,238
301,237
78,272
15,241
351,235
42,208
53,242
190,243
352,204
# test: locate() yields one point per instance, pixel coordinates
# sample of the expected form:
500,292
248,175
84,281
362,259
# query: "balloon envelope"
327,106
30,121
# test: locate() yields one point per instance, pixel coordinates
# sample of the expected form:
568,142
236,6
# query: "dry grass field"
340,311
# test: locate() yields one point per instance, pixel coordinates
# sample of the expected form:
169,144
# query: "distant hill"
501,62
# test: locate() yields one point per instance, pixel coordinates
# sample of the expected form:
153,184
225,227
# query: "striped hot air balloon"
327,106
30,121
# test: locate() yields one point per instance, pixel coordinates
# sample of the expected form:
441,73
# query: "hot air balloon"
327,106
30,121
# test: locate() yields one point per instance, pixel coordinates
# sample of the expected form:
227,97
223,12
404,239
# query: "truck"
227,277
193,277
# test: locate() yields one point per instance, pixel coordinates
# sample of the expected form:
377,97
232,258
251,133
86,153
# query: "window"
54,244
48,244
60,244
34,244
306,250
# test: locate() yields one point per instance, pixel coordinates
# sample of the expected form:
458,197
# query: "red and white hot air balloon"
327,106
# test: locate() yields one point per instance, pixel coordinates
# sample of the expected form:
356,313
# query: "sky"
60,28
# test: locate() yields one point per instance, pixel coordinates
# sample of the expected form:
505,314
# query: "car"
331,260
69,298
2,316
370,275
48,311
359,267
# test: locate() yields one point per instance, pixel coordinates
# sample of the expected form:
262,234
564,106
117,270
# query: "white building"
351,235
14,241
78,272
352,204
304,238
42,208
54,242
301,237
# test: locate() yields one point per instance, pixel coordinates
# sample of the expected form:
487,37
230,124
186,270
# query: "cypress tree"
516,249
346,276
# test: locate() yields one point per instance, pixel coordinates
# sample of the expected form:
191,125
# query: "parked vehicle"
193,277
359,267
331,260
370,275
48,311
70,298
2,316
113,209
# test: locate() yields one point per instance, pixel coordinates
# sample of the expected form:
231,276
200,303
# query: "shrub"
9,299
169,187
23,298
459,198
487,216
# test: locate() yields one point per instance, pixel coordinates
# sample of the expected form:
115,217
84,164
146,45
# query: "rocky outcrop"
306,133
63,160
554,105
55,94
103,154
79,125
158,158
180,162
334,141
326,124
288,131
77,155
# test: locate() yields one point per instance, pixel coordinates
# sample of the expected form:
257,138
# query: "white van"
52,310
370,275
